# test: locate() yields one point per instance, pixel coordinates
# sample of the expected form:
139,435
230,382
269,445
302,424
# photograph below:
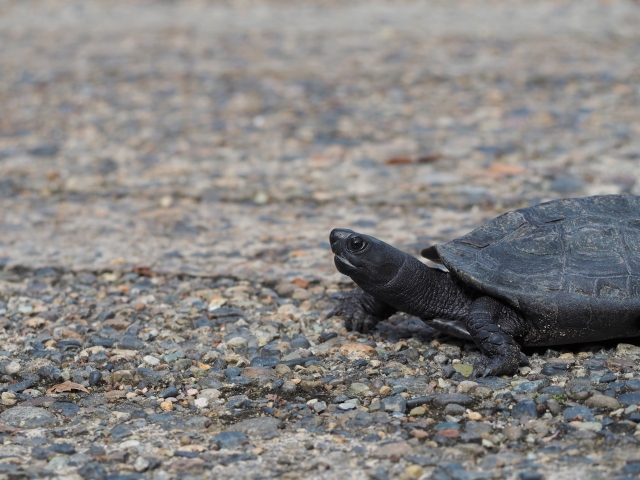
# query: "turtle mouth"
343,265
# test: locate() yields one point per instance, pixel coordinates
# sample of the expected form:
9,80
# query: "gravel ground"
169,173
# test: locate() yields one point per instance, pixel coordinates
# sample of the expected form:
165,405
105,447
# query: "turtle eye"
357,243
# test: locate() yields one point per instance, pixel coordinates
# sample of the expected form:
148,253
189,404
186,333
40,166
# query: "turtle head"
369,262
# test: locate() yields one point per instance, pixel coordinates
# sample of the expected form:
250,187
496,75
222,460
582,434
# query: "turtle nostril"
335,235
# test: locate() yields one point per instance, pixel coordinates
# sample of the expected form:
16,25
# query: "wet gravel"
169,173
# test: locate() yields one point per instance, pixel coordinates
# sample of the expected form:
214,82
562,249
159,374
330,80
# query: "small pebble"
9,398
417,411
414,471
151,360
13,367
95,378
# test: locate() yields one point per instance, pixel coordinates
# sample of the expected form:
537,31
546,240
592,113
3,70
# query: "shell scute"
572,263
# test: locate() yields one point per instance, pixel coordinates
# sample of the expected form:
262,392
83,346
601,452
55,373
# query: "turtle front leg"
361,312
492,326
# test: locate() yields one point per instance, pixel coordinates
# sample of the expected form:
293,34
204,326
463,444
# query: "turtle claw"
494,366
353,312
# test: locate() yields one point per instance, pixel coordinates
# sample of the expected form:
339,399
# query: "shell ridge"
531,274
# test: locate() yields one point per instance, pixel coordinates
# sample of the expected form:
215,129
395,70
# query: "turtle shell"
571,266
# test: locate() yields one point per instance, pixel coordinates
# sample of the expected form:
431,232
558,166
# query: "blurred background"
228,138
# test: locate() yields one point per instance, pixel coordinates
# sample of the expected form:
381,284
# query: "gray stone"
63,448
238,401
197,423
358,388
627,399
300,342
394,404
530,387
607,377
553,390
28,417
446,398
495,383
528,408
454,409
172,357
579,411
211,382
264,362
239,380
566,185
129,342
603,401
120,431
554,407
232,372
29,380
168,392
319,407
633,384
95,378
49,372
58,462
65,408
229,439
92,471
299,361
257,427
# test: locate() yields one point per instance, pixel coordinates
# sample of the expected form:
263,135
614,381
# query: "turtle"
560,272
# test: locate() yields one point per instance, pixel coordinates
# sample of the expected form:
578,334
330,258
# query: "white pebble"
151,360
209,393
13,368
9,398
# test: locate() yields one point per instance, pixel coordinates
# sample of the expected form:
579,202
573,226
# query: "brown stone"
618,363
397,449
34,322
419,434
115,394
185,464
300,282
513,433
39,402
116,323
449,433
355,351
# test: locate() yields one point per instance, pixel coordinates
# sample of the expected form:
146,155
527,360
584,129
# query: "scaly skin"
391,280
361,312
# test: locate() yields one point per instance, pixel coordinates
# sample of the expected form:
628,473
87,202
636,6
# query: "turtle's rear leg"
492,326
361,312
